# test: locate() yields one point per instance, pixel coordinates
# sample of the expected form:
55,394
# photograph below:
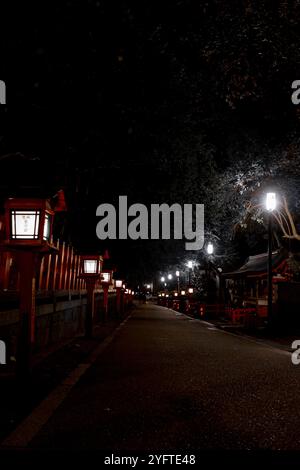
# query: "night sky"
173,101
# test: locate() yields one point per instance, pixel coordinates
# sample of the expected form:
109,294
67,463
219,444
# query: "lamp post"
119,285
28,226
177,276
271,204
90,272
190,266
106,278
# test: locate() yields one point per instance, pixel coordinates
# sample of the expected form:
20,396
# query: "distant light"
177,273
163,294
165,284
170,276
167,295
191,290
190,264
210,248
148,286
162,279
183,292
159,295
118,284
176,294
271,202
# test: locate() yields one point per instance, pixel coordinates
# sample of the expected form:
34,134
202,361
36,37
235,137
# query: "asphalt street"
168,382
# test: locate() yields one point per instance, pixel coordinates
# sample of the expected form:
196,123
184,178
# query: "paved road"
168,382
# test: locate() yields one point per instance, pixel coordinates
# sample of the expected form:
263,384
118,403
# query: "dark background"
175,101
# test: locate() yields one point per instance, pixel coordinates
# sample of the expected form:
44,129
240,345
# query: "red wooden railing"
57,272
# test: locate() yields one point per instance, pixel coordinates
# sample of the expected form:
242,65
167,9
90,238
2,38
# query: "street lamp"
119,285
177,275
170,277
162,279
271,204
190,266
90,272
28,232
210,248
106,280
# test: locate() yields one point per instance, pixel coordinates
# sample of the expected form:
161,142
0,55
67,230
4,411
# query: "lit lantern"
28,222
91,265
106,281
183,292
191,290
106,277
90,272
28,231
176,294
119,285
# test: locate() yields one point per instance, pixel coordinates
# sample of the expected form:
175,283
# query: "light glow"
210,248
25,224
271,202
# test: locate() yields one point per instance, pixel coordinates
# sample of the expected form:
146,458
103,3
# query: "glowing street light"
190,266
106,281
162,279
177,275
170,277
90,272
119,285
271,202
28,232
210,248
